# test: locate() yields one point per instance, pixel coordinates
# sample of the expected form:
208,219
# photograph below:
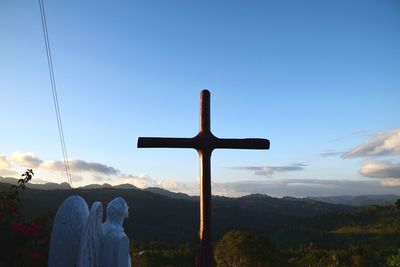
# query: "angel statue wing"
67,231
89,252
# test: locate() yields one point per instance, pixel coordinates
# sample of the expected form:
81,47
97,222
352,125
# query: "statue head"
117,210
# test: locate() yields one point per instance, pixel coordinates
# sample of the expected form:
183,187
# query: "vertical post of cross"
205,149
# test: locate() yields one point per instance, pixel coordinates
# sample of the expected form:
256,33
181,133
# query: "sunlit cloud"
306,187
81,170
4,163
390,182
10,173
76,178
175,186
381,169
386,176
270,170
100,178
141,181
144,181
26,159
383,143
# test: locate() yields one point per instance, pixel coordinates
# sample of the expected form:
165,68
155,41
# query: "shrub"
21,243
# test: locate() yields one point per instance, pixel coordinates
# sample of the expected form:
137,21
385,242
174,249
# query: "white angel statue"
79,238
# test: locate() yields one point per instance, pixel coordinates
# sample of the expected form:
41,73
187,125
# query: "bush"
21,243
394,260
246,249
397,204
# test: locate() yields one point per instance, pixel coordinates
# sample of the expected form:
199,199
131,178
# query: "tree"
397,204
394,260
246,249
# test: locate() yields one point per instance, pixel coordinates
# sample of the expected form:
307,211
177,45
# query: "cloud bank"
4,163
77,165
380,145
79,168
27,159
270,170
384,143
381,169
8,173
305,187
385,174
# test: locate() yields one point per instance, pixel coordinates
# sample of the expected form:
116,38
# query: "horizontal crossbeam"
203,142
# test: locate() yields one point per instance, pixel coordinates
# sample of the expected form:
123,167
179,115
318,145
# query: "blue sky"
314,77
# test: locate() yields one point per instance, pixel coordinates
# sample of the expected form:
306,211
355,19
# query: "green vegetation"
246,249
398,203
367,237
22,242
394,260
270,231
156,253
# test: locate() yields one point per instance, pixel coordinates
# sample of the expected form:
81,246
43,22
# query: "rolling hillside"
158,217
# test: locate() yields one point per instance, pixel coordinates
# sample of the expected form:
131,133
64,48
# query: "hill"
46,186
157,217
358,201
163,192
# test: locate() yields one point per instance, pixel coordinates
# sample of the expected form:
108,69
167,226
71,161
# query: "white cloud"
175,186
76,178
37,180
270,170
381,169
4,163
77,165
144,181
27,159
9,173
390,182
384,143
305,187
141,181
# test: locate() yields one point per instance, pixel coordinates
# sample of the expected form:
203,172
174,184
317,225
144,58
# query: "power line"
54,91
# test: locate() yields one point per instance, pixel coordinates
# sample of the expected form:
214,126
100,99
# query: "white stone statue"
115,245
80,239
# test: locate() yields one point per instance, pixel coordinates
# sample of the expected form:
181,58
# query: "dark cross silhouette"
204,142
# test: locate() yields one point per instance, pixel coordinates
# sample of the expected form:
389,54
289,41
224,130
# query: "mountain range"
356,201
157,214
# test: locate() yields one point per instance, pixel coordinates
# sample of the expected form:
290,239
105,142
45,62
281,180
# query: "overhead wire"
54,91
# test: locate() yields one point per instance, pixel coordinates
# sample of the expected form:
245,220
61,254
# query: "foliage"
394,260
367,237
353,256
21,243
153,253
246,249
307,233
397,204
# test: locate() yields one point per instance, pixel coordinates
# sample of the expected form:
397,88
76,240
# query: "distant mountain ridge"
358,201
154,216
164,192
105,185
53,186
46,186
355,201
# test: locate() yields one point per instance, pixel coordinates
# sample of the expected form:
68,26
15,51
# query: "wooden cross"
204,142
